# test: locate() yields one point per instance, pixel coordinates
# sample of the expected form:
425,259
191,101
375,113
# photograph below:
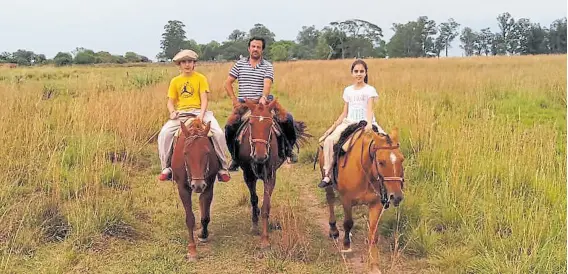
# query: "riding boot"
230,137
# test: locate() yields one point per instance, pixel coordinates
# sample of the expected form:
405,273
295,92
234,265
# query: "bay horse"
195,165
259,156
370,172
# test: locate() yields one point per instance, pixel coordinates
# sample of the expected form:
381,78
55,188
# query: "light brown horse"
259,158
371,173
195,165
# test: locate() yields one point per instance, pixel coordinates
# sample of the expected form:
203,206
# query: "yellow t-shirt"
186,90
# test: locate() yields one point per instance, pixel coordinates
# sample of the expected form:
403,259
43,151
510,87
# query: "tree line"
80,56
422,37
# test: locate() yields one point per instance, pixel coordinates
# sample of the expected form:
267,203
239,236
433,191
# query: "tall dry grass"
484,139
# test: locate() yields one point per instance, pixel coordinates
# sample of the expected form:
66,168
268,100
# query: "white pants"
166,139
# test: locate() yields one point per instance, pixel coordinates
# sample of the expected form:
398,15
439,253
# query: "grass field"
484,141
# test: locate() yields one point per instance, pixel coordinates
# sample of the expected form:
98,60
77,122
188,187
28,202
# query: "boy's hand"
174,115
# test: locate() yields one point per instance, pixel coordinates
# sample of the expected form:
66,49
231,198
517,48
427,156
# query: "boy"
188,94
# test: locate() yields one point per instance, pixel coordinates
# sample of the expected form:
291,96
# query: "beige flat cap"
185,54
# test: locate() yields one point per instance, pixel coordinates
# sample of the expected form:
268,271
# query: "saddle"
345,144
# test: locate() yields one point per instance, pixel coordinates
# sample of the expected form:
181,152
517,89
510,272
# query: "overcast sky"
118,26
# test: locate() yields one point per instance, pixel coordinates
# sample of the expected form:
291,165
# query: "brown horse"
370,173
258,156
195,165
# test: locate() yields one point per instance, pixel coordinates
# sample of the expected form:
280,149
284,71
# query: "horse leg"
347,226
330,196
205,207
250,179
268,188
375,211
185,195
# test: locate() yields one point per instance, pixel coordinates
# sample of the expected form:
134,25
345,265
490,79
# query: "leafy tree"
468,38
173,39
63,59
448,32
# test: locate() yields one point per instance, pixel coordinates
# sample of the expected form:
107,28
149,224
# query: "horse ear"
207,127
394,135
184,129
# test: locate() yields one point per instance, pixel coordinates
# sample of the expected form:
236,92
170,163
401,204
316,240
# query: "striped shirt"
251,80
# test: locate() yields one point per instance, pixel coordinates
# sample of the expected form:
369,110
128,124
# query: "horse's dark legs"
205,208
330,196
185,195
265,213
250,180
347,226
375,211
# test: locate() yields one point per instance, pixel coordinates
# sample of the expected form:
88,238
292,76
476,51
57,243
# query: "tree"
210,51
237,35
468,38
414,39
39,59
84,56
485,39
259,30
557,36
6,57
63,59
23,57
173,39
282,50
506,23
132,57
307,42
448,32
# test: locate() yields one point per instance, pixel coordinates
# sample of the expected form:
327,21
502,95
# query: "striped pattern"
251,80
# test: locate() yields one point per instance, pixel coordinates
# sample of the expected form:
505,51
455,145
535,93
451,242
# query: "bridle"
382,191
253,141
188,141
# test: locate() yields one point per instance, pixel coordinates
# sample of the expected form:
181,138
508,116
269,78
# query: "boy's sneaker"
223,176
165,175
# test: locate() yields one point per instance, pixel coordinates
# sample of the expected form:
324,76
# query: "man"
187,94
255,76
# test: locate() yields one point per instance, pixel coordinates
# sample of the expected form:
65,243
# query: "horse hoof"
349,250
202,240
254,230
334,235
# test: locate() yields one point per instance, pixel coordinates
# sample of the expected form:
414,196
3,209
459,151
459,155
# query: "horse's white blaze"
393,161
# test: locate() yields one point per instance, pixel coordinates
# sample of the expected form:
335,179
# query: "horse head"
196,153
260,129
387,164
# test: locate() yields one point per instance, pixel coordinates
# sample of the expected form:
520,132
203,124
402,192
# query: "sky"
118,26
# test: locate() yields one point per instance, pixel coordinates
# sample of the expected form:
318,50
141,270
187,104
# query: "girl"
358,106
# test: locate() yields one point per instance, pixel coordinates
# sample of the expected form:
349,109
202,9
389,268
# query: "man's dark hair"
256,38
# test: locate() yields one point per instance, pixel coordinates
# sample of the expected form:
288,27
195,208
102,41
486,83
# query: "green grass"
484,141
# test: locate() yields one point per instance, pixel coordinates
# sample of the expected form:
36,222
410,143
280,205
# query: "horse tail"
301,133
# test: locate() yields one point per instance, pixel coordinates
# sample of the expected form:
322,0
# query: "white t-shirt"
357,102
